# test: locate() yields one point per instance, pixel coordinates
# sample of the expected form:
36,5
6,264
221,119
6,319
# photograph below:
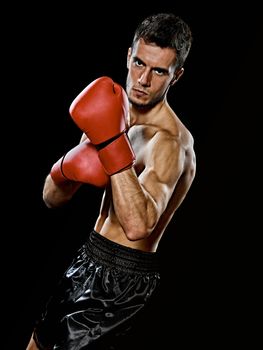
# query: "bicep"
164,165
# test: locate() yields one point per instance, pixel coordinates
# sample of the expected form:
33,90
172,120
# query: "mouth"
139,92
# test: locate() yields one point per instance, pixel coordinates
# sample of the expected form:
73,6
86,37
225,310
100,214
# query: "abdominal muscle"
110,228
114,232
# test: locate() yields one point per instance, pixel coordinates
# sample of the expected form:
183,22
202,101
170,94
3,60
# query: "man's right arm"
80,165
101,112
57,195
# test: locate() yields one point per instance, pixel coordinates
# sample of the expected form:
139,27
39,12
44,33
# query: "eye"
159,71
137,62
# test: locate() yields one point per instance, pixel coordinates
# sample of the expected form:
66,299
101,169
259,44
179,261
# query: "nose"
145,78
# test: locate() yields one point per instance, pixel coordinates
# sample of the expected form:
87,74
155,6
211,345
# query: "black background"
50,54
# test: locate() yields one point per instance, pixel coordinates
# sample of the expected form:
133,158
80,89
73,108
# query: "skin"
141,200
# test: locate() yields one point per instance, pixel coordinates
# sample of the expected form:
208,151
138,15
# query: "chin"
137,103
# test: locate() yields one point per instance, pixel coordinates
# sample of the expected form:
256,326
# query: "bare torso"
147,139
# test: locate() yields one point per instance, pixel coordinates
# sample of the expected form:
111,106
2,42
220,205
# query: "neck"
147,114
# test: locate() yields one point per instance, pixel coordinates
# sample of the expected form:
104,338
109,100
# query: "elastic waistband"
116,255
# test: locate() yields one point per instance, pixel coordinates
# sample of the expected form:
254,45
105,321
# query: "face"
151,71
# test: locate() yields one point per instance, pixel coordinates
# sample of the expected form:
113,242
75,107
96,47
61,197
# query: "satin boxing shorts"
97,298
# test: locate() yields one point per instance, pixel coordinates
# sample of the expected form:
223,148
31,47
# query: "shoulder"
173,133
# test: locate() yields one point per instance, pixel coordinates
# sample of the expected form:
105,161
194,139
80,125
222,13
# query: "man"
136,147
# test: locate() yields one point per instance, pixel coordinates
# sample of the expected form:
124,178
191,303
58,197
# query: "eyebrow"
163,70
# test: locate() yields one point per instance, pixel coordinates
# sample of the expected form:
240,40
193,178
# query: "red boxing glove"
117,155
101,111
80,164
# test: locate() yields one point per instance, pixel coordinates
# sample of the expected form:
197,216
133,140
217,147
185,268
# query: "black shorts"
106,285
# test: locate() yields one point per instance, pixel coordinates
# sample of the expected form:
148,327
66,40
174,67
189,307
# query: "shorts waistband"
116,255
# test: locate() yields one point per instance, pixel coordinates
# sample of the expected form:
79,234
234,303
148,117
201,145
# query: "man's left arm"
140,201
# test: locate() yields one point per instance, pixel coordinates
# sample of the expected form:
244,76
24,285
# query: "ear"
177,76
129,57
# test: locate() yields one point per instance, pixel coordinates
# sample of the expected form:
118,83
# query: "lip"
139,92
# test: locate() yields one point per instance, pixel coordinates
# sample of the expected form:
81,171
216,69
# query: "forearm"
56,196
133,206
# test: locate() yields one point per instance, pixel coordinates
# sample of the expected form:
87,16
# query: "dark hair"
166,30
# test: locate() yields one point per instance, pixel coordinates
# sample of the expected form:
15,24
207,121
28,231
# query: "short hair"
166,30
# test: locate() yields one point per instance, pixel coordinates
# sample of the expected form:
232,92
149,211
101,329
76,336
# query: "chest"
140,138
